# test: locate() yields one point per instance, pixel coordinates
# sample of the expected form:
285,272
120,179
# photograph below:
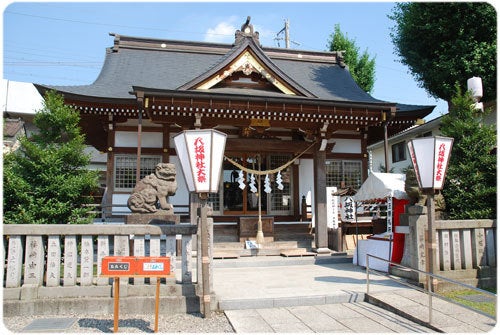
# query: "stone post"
102,251
414,220
87,261
187,259
139,250
34,260
54,261
14,264
70,260
171,247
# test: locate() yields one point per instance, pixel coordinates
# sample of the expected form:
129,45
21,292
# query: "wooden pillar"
110,166
320,222
139,147
166,144
296,196
364,160
386,149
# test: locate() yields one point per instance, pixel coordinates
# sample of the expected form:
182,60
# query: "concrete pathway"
327,294
356,317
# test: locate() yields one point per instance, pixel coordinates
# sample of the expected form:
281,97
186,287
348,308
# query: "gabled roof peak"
246,32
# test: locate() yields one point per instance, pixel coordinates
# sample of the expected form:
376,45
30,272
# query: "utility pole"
285,30
287,34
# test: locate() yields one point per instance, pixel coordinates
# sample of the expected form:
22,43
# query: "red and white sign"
135,266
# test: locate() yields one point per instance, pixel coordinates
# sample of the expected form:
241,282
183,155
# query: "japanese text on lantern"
440,161
199,150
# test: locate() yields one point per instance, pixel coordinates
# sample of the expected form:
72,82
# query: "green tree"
46,181
470,186
444,43
361,67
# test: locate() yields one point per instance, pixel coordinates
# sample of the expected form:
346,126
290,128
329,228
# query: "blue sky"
63,43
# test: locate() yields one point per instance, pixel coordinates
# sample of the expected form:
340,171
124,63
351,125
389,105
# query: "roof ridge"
147,43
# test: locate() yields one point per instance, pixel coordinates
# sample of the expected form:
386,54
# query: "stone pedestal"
146,218
413,223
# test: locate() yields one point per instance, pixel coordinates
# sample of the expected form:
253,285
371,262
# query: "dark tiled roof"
326,81
155,69
128,65
412,108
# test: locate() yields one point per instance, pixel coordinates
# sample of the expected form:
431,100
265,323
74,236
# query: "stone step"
228,245
223,250
299,252
224,254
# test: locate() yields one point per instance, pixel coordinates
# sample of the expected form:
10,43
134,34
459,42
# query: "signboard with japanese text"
389,214
135,266
332,210
348,212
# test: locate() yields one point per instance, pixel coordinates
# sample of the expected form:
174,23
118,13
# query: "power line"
52,52
10,74
109,24
42,63
286,31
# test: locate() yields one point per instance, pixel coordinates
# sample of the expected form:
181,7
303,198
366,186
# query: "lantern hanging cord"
261,173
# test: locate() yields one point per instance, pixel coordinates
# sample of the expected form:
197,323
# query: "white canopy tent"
379,186
382,185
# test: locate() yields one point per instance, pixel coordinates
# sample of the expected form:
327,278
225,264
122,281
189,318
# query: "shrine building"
298,114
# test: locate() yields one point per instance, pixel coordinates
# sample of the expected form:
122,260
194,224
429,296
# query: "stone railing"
39,258
465,249
465,244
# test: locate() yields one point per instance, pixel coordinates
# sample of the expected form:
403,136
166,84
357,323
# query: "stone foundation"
146,218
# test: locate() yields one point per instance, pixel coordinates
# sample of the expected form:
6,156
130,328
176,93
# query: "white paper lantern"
201,153
430,156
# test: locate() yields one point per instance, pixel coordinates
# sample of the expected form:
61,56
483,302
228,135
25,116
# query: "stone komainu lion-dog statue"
420,199
153,190
411,188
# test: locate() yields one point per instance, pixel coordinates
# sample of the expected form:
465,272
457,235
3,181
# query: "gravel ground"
179,323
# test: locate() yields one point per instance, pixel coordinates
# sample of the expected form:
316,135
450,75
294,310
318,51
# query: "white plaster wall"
129,139
378,159
20,97
306,180
343,145
181,196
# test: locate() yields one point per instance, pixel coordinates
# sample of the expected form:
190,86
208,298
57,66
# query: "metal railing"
428,290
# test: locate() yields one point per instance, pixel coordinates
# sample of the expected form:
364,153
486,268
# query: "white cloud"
266,36
222,33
